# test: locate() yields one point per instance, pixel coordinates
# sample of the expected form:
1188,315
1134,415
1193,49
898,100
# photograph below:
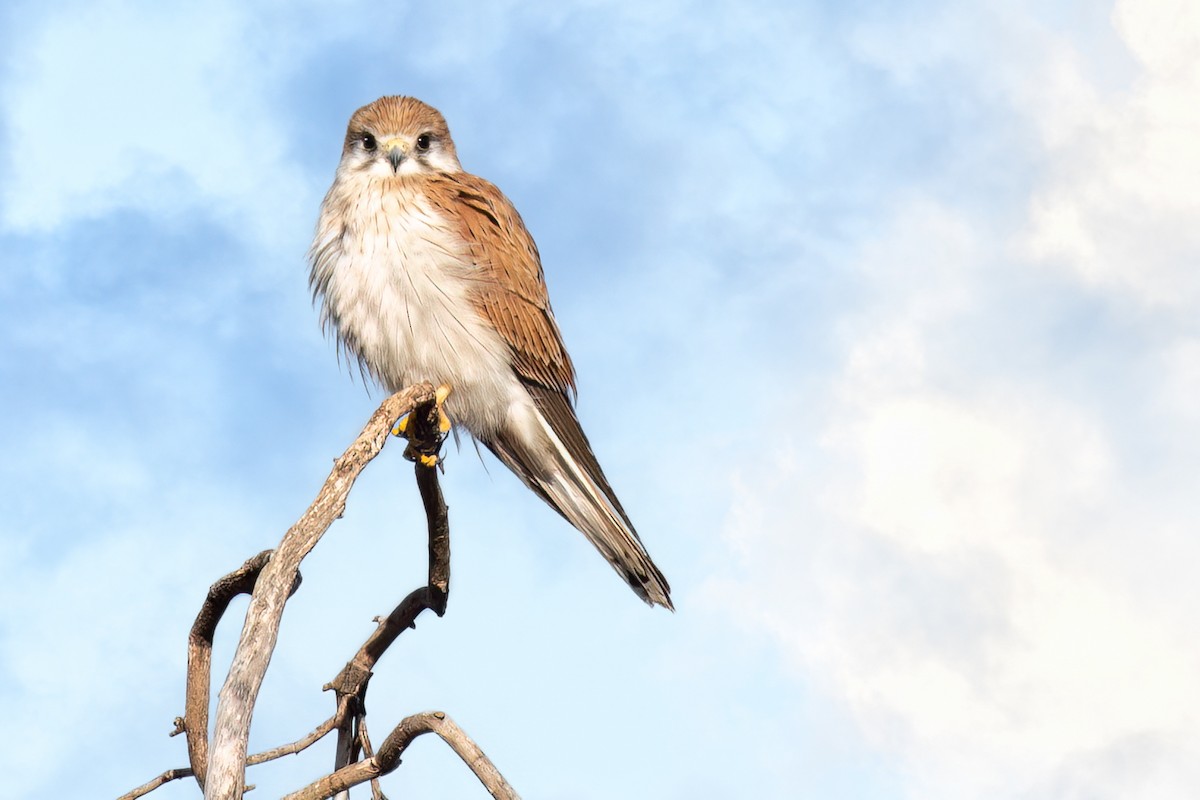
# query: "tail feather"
560,467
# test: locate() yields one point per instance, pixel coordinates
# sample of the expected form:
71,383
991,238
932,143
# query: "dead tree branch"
227,763
200,641
424,439
149,786
388,758
264,575
320,732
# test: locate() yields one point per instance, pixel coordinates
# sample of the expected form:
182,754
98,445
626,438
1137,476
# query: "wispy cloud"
977,561
1118,202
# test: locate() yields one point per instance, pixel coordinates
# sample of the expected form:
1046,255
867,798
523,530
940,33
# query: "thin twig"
318,733
150,786
364,741
295,747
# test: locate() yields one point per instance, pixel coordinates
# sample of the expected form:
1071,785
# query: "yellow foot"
439,397
406,427
401,427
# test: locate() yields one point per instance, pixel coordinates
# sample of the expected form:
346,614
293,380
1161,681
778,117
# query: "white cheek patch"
442,161
374,165
410,166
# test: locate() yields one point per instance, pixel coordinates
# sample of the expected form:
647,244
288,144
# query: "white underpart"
399,288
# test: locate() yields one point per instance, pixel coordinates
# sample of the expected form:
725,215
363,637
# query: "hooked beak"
396,153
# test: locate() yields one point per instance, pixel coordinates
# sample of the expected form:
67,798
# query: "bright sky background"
887,320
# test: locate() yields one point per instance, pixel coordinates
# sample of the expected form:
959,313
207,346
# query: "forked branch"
227,764
388,758
264,575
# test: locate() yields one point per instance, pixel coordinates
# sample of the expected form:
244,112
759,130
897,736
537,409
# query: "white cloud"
997,651
1113,104
965,564
1118,205
1179,370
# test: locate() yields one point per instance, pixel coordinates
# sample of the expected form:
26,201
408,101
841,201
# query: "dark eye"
423,141
368,142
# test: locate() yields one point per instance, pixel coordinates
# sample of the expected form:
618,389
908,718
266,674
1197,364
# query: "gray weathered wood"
388,758
227,754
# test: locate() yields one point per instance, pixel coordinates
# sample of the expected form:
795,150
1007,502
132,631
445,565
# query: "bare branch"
316,735
424,439
150,786
434,596
388,758
265,574
227,764
364,741
297,746
439,538
200,641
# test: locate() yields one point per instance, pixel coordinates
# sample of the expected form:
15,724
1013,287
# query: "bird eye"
368,142
423,141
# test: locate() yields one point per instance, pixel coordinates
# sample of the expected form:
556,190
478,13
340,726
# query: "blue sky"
886,323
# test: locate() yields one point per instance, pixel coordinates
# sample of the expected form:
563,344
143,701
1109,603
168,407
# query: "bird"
426,272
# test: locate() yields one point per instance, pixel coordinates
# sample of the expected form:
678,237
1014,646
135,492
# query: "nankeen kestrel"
427,273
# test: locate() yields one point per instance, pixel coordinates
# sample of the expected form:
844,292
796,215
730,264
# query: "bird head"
398,136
